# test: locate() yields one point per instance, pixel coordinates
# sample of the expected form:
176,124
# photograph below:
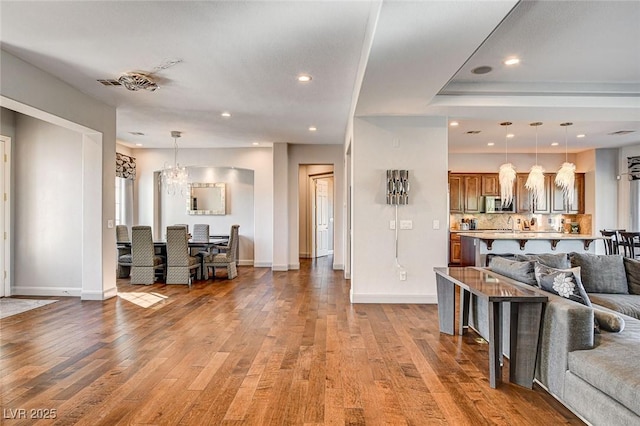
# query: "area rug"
10,306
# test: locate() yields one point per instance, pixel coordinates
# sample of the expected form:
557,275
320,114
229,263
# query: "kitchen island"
476,245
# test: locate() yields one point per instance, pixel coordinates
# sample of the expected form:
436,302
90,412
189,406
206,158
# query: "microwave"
495,205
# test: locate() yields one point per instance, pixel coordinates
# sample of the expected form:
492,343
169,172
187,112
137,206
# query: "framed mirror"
206,199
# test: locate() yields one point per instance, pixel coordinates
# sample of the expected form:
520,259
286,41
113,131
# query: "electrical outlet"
403,275
392,224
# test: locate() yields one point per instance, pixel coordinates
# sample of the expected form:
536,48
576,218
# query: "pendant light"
565,178
507,173
535,181
175,177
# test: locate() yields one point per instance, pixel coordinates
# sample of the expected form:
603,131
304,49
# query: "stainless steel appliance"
494,205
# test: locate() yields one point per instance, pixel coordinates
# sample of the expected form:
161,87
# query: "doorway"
316,210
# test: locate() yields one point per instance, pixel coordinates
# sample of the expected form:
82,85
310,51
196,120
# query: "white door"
2,230
322,217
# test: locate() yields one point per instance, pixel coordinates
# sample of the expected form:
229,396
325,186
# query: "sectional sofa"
589,355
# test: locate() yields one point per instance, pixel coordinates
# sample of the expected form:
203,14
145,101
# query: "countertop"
527,235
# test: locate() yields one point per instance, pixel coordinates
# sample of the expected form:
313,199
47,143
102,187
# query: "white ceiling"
580,62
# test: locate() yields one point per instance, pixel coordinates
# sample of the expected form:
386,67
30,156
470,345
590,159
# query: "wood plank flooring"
267,348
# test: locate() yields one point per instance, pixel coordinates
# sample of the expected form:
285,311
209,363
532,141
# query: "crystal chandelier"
507,174
174,178
565,178
535,181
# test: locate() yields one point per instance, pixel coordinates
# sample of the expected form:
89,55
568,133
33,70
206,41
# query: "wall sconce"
397,187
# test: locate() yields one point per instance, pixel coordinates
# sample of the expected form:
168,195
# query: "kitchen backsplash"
535,222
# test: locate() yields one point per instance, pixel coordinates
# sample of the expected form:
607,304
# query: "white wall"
48,208
239,193
31,91
489,163
314,154
418,144
280,208
259,160
624,206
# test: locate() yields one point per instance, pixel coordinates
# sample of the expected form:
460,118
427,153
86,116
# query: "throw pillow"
608,321
552,260
519,271
632,268
601,273
563,282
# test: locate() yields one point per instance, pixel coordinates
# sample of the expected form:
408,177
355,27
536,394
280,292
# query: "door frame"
6,157
311,230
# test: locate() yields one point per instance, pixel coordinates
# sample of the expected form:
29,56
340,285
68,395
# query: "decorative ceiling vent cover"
135,81
109,82
621,132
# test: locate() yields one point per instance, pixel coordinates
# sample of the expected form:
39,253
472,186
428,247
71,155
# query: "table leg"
465,295
523,346
446,304
495,344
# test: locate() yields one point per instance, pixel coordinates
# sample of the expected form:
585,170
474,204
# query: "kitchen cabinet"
454,249
465,193
524,199
558,204
490,184
456,194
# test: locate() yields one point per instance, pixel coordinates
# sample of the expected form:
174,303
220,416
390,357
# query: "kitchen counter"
475,245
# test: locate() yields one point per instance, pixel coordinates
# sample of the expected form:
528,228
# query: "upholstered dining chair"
180,264
631,244
144,261
124,252
226,259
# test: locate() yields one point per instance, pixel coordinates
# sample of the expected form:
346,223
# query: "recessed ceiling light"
490,144
312,129
226,114
580,136
255,143
510,135
304,78
138,144
554,144
484,69
453,123
512,61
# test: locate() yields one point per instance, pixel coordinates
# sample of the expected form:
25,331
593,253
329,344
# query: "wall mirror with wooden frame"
206,199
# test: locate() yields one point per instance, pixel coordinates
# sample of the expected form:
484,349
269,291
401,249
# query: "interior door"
2,230
322,217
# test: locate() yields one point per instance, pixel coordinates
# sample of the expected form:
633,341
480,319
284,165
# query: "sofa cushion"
611,368
563,282
628,304
601,273
632,268
608,321
519,271
553,260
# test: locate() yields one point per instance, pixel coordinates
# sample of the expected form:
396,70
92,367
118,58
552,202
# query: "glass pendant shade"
507,172
175,177
565,177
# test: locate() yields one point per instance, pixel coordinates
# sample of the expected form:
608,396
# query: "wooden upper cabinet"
490,184
472,194
524,199
456,194
558,203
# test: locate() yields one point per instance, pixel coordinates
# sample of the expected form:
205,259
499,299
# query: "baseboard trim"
347,275
338,267
294,266
246,263
305,255
280,267
112,292
47,291
412,299
93,295
262,264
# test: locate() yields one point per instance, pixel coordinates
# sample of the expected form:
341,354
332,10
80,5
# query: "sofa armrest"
566,326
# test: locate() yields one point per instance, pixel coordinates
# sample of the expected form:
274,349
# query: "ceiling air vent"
621,132
473,132
109,82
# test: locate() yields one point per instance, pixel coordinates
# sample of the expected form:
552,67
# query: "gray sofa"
596,375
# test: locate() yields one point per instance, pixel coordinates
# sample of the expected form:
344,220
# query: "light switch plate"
392,224
110,223
406,224
436,224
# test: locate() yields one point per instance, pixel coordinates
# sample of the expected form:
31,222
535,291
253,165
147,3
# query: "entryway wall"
306,174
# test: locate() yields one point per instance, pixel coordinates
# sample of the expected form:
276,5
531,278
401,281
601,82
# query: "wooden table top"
482,283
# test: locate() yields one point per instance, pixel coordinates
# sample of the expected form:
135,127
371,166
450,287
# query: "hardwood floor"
266,348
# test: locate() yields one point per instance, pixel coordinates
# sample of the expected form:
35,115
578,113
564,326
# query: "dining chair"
631,244
223,248
180,264
145,263
611,241
124,252
224,260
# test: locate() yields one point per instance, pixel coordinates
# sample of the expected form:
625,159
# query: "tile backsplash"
535,222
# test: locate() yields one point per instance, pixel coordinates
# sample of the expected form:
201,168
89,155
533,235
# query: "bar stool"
631,243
